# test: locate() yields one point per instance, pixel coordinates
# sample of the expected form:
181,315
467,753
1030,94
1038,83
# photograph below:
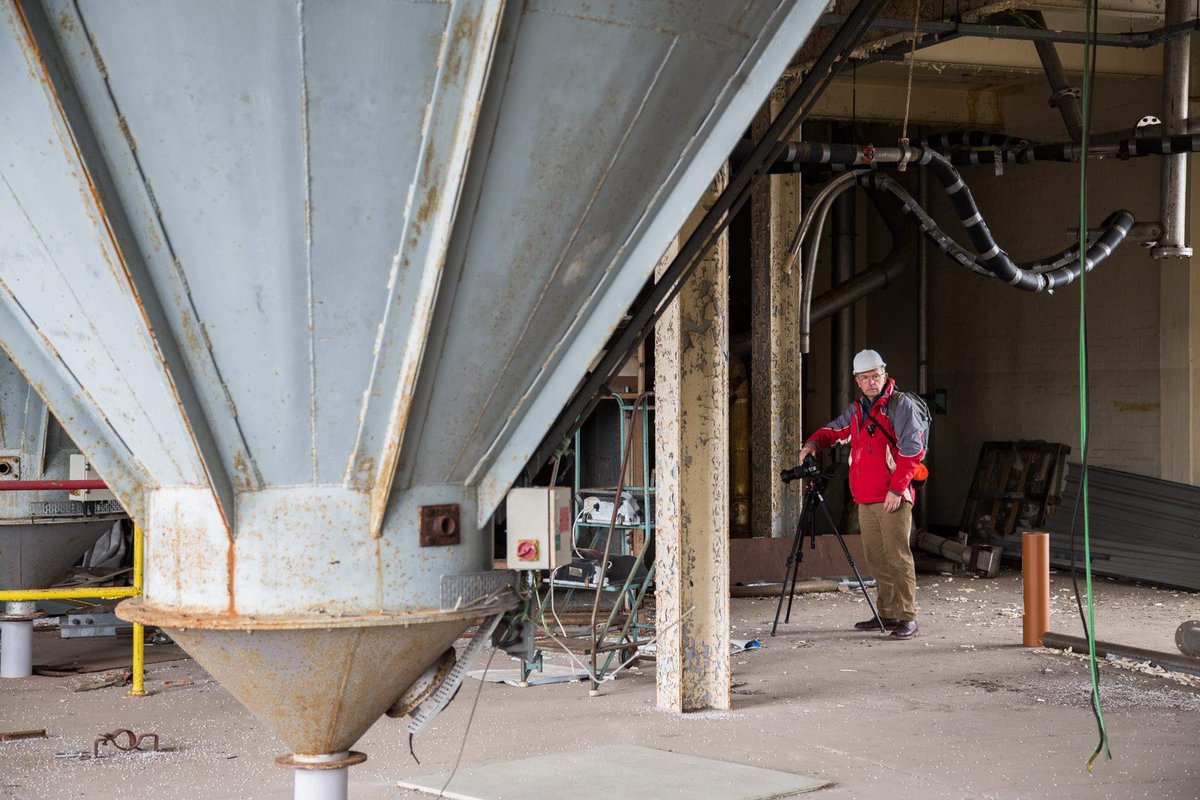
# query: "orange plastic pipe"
1035,571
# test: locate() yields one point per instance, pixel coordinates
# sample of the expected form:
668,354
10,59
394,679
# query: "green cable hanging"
1086,94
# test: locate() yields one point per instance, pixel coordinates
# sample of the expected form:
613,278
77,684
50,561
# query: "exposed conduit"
879,274
1066,96
1043,275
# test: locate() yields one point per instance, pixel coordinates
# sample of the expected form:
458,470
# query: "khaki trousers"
889,559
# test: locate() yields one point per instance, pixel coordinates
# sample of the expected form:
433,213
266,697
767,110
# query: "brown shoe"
872,624
905,629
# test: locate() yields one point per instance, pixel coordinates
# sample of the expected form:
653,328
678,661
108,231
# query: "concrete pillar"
775,359
691,387
1179,352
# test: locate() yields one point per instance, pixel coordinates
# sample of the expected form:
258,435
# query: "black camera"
809,468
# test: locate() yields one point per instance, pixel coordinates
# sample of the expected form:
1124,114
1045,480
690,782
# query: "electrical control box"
81,470
539,527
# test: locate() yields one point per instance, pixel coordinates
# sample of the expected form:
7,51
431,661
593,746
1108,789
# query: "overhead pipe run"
960,150
992,257
879,274
991,260
1066,96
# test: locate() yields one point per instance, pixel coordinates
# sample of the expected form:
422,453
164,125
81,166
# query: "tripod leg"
810,524
850,561
789,574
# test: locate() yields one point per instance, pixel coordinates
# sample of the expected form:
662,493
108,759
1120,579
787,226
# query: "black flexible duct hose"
959,139
991,256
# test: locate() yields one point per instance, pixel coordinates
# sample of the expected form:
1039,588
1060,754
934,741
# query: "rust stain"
127,133
1123,406
462,38
432,186
364,472
243,477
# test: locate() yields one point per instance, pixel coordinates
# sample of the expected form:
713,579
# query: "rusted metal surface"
692,444
13,736
136,610
126,740
351,759
439,526
319,689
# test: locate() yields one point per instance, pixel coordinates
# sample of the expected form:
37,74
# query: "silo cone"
309,282
42,533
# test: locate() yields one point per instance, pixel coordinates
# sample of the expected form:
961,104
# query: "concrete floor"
962,711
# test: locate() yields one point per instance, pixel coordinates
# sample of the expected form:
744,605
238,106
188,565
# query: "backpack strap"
882,429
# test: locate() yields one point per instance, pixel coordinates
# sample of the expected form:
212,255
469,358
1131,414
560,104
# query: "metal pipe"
798,155
97,592
877,275
939,31
1065,97
982,559
33,486
1155,658
1173,204
1152,130
138,689
842,254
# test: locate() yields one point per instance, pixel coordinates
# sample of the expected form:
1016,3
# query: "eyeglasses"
870,377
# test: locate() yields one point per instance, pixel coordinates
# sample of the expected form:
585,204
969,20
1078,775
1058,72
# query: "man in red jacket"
887,442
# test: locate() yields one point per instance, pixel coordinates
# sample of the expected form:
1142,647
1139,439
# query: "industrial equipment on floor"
308,282
42,532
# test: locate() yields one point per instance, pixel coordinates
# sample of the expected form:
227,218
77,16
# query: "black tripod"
807,523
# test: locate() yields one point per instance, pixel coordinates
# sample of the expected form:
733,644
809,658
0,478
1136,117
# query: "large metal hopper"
42,533
295,273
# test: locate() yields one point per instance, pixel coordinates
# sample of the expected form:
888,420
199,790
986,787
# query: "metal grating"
1141,528
465,589
74,508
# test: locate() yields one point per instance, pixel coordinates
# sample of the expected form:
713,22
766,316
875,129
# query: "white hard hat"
867,360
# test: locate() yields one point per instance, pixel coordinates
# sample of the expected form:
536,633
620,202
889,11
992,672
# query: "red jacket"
876,465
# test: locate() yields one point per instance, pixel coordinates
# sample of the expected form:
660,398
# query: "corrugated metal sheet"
1142,528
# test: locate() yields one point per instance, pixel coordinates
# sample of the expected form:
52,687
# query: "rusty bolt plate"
439,525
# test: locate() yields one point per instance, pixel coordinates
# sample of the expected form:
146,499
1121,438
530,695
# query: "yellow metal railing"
103,593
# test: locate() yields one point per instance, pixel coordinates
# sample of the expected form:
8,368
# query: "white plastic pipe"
321,784
16,649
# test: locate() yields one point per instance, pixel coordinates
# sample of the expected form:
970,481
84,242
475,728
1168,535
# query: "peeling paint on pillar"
775,369
692,449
